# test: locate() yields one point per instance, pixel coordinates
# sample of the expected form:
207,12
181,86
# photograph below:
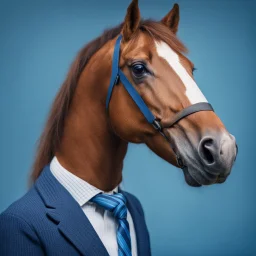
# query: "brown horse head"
87,138
153,60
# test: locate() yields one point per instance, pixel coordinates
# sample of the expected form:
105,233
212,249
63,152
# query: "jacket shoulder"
17,231
27,207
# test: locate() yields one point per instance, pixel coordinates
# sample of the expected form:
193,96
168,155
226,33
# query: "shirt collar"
79,189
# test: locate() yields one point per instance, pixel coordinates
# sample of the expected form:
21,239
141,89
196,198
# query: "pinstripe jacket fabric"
48,221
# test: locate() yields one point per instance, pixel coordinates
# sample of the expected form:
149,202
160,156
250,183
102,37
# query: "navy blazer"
48,221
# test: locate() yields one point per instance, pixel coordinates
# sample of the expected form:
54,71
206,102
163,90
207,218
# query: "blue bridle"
117,76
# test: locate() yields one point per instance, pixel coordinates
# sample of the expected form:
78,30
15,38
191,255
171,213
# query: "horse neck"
89,148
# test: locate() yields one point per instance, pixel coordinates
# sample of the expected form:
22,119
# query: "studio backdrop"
39,40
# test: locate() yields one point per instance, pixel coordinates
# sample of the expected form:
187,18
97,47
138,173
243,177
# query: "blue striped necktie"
116,204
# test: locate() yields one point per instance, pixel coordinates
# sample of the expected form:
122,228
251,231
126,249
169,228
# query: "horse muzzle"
212,162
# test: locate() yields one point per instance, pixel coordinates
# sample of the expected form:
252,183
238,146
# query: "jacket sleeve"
17,237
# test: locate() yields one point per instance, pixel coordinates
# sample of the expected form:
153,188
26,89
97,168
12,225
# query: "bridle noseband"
117,75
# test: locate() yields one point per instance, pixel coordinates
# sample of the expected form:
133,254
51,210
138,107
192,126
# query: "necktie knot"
115,203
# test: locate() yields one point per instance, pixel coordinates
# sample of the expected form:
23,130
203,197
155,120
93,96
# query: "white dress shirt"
104,223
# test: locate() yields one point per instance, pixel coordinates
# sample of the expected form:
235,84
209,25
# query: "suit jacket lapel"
142,236
66,213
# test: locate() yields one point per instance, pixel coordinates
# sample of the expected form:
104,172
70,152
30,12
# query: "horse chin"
197,178
189,179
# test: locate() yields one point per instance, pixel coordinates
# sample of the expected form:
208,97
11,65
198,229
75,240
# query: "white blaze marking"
193,93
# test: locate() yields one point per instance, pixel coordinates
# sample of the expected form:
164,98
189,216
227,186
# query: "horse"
134,84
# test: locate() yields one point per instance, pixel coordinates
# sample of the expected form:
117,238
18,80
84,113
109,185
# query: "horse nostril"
217,153
206,150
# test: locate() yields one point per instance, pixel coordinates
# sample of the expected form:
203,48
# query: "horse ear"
171,20
132,20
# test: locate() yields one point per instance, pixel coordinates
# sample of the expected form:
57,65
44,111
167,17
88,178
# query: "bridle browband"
117,75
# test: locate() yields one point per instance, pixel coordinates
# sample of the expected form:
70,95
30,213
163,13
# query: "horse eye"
139,70
193,70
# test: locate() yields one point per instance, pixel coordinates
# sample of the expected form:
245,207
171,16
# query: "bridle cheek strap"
136,98
117,75
115,70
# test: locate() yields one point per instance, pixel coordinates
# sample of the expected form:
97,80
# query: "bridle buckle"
156,124
117,80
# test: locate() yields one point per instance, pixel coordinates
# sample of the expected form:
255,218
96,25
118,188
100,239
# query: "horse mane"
50,138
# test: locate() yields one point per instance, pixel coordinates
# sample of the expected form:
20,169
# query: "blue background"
39,40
